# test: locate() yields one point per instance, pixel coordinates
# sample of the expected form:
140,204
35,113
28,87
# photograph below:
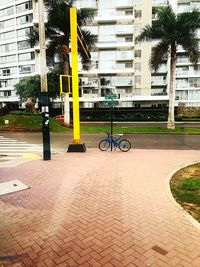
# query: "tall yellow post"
74,64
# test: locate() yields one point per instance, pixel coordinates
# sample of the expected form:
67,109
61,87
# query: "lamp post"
44,88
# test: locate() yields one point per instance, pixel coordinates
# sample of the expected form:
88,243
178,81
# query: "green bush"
24,113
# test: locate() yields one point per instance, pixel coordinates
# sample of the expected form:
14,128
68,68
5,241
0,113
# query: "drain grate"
160,250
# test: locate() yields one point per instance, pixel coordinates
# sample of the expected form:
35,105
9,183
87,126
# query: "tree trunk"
171,122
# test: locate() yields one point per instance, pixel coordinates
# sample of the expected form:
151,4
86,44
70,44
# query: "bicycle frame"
114,140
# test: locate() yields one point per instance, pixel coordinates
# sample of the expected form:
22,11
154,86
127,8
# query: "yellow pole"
74,62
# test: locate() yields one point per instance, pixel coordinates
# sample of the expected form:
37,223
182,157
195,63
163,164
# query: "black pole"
111,123
45,126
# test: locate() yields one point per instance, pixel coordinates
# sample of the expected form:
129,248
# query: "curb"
172,199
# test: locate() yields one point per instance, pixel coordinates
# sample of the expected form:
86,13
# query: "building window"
137,91
7,23
7,93
23,45
25,69
7,12
7,35
194,82
128,64
26,56
137,66
129,12
137,27
138,13
6,72
7,59
137,79
23,32
24,19
24,7
137,53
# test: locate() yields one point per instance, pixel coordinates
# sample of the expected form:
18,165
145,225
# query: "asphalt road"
60,141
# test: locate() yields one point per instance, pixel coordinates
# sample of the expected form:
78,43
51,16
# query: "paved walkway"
98,209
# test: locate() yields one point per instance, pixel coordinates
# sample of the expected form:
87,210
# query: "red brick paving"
97,209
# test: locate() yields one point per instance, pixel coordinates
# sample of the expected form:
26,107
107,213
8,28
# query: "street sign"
111,96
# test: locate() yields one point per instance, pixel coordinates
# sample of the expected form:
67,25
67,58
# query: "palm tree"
58,31
172,30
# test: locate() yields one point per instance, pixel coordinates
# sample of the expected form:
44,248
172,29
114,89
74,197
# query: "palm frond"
191,46
150,32
85,15
159,54
189,20
33,37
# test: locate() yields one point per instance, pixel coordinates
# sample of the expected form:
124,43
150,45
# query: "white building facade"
187,77
17,58
120,65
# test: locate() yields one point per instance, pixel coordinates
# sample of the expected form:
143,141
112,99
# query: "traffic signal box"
65,84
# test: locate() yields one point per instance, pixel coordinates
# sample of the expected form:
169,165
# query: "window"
137,66
7,23
128,64
26,56
24,7
24,19
137,91
23,45
129,12
137,27
137,79
7,93
7,59
7,11
194,82
6,72
3,84
7,35
138,13
23,32
129,39
7,47
25,69
137,53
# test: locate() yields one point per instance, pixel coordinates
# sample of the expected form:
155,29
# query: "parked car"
59,118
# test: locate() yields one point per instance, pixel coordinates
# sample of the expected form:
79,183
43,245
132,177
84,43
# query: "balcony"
187,73
158,83
125,3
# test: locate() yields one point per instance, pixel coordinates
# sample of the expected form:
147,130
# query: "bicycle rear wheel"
124,145
104,145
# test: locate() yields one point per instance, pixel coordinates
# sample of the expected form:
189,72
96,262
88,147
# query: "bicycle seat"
121,134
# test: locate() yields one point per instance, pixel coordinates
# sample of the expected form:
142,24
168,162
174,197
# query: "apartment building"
119,64
187,78
17,58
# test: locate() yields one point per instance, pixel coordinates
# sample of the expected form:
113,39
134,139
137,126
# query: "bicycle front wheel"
104,145
124,145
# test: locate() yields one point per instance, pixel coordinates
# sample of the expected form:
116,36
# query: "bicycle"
123,144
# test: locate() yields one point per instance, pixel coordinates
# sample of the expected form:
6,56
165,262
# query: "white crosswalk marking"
11,149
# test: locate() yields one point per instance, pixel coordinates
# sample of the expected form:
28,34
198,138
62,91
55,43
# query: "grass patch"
185,187
30,122
128,129
34,122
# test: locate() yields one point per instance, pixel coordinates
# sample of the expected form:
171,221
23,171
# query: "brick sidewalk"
97,209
